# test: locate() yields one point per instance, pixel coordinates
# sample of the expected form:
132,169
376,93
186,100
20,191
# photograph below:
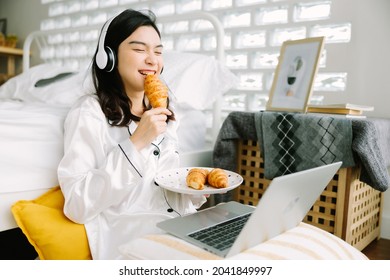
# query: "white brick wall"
255,30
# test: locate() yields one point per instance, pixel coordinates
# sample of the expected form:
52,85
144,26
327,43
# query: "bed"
31,129
34,104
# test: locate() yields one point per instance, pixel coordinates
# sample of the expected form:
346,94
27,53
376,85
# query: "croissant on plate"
217,178
156,91
197,178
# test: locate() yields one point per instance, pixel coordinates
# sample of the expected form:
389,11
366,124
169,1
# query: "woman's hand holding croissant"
152,124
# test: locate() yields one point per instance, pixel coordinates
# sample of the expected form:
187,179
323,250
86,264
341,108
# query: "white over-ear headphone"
105,56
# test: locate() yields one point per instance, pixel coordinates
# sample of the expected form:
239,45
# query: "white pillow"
18,87
65,91
62,92
196,80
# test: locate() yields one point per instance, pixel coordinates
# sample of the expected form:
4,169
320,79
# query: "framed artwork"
3,26
294,76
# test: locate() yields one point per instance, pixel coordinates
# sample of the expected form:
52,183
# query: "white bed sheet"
31,145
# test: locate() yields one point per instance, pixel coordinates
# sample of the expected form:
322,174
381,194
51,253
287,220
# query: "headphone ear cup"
101,58
110,59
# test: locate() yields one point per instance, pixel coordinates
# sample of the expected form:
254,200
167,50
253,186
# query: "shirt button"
156,153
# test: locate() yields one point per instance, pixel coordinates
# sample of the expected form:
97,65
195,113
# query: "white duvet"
31,145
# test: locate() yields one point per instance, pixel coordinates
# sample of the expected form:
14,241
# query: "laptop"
239,227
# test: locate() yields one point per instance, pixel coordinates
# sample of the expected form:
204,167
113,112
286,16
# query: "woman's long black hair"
109,87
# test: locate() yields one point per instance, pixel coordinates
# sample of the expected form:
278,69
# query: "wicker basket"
347,207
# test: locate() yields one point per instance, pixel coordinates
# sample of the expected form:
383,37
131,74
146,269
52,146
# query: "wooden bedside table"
11,54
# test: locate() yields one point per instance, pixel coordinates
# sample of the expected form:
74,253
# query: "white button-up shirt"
108,184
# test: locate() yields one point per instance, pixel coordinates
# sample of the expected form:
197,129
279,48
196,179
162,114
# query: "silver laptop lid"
284,205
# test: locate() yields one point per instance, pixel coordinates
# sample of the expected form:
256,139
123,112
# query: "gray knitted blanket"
371,143
291,142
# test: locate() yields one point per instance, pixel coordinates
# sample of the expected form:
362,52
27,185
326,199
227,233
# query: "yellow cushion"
52,234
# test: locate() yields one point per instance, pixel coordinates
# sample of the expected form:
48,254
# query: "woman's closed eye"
144,50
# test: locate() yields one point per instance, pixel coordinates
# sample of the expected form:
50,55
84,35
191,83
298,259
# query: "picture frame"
294,75
3,26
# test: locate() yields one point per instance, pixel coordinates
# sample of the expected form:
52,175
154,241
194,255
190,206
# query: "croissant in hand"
156,91
217,178
196,178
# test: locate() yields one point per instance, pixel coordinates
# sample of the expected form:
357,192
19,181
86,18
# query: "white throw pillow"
196,80
62,92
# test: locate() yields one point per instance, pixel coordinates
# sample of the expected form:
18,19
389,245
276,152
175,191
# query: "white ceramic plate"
175,180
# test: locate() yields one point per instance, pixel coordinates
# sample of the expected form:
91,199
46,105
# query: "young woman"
115,144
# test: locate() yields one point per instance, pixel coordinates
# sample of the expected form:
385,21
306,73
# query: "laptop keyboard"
223,235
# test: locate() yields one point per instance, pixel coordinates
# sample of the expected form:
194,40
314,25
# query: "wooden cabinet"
347,208
9,55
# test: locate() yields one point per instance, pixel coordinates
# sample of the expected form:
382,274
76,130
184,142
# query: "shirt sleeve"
95,174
